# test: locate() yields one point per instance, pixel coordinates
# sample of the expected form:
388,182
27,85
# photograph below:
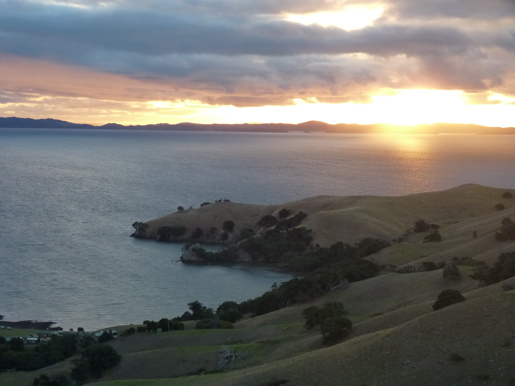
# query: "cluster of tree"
226,314
94,361
277,246
163,324
330,320
14,354
433,237
303,289
507,230
343,257
164,233
503,269
95,357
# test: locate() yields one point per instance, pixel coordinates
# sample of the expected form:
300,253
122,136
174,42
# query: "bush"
267,221
228,225
421,226
507,195
334,330
197,233
95,360
433,237
451,271
206,324
447,298
105,337
507,231
499,207
245,233
315,316
177,231
284,213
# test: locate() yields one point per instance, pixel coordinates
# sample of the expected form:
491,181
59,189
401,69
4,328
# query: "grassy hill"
397,338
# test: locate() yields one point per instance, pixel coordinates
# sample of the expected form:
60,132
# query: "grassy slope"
459,211
410,345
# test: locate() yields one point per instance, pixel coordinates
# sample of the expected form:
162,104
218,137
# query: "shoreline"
28,324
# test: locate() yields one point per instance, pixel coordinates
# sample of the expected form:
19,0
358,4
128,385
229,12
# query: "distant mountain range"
311,126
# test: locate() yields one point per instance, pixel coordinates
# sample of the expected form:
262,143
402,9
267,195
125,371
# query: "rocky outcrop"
192,256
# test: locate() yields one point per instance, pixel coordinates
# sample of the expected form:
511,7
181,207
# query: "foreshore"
28,324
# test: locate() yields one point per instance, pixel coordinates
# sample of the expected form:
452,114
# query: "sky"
245,61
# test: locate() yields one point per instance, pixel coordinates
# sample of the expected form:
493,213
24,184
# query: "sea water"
68,199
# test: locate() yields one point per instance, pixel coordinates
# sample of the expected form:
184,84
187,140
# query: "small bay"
68,199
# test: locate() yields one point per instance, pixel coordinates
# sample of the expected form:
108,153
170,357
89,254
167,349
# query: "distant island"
306,127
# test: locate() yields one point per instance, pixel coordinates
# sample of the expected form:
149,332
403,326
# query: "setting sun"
412,107
351,18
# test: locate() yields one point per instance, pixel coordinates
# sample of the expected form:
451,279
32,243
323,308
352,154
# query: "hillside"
459,212
396,339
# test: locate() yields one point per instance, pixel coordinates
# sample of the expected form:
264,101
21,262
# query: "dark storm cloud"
247,53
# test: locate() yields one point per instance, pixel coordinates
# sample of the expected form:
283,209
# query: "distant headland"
305,127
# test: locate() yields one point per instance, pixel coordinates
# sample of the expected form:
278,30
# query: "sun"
412,107
349,18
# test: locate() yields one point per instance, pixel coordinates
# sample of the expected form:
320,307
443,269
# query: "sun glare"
351,18
411,107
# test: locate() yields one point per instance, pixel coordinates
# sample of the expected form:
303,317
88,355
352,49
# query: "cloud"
245,53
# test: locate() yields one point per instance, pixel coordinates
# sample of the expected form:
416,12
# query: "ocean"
68,199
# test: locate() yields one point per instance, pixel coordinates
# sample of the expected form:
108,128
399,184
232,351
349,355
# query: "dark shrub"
447,298
283,213
499,207
421,226
433,237
507,231
507,195
246,233
197,233
177,231
334,330
451,271
228,225
267,221
204,324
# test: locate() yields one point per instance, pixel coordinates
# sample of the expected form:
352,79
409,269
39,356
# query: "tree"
105,337
507,230
315,316
80,329
198,232
197,310
284,213
433,237
267,221
447,298
229,311
451,271
16,344
334,330
180,208
228,225
421,226
99,358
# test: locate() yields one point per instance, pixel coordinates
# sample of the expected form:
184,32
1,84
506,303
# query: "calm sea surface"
68,199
